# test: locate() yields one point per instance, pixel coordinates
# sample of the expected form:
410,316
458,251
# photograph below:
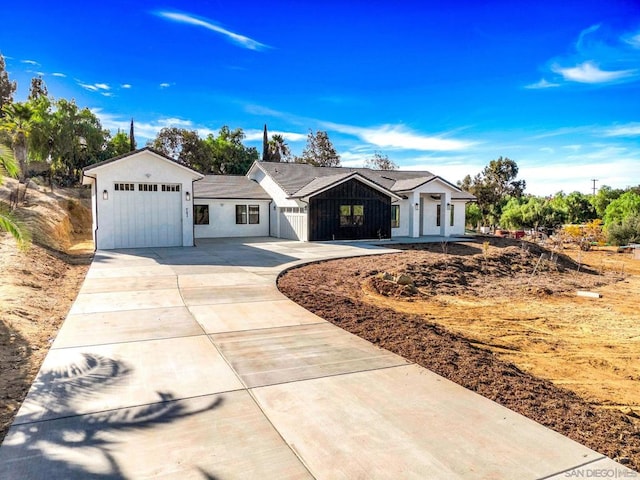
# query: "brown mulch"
334,291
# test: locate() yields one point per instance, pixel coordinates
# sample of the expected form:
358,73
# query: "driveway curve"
189,363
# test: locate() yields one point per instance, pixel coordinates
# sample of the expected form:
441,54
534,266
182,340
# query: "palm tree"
17,122
8,222
278,149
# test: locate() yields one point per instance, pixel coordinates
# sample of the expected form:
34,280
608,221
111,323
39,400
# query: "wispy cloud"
125,86
542,84
254,135
58,74
95,87
399,137
30,62
589,72
633,40
241,40
627,130
165,85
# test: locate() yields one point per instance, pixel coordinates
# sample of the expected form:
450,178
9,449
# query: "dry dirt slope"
38,286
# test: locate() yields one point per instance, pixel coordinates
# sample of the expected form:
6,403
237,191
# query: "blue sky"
438,86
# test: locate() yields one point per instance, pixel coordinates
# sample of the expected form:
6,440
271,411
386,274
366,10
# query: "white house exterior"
145,199
141,199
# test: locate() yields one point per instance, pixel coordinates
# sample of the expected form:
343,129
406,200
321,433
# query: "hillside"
38,285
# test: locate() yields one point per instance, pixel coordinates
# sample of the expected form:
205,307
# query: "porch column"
414,215
445,214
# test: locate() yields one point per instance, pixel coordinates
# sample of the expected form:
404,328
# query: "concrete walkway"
188,363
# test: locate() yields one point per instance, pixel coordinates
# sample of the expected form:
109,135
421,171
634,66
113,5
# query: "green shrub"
626,233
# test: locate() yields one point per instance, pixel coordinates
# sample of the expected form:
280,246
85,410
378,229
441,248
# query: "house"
146,199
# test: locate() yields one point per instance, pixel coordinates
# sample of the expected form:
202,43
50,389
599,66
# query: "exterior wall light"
448,206
188,196
417,205
105,195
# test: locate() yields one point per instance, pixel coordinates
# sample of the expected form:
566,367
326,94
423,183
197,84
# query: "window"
201,214
171,187
395,216
254,214
241,214
452,216
437,215
147,187
124,187
351,215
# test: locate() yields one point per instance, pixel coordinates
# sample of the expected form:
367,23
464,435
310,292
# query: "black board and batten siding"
325,222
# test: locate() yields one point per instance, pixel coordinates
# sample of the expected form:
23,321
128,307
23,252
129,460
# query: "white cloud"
589,72
125,86
236,38
634,40
399,137
95,87
30,62
627,130
255,135
541,84
165,85
143,130
58,74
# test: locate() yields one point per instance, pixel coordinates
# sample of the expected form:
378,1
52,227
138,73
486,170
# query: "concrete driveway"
188,363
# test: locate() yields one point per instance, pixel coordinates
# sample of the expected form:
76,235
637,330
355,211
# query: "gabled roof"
300,179
229,187
162,156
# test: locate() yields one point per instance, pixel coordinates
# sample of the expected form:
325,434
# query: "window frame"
241,214
355,216
254,217
395,216
198,216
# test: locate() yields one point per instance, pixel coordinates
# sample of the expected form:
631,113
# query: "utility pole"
594,180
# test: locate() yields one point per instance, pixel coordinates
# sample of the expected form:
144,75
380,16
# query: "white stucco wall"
142,167
222,219
403,229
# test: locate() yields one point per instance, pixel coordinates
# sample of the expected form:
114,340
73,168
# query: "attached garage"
142,199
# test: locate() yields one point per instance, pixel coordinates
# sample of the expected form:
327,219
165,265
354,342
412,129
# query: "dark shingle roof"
300,179
230,187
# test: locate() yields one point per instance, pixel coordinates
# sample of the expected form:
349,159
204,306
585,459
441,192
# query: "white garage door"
147,215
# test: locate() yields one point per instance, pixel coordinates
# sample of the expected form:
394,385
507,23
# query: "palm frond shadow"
73,447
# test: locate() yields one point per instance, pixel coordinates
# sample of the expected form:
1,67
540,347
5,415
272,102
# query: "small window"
358,215
147,187
201,214
452,215
241,214
395,216
124,187
345,215
437,215
351,215
171,187
254,214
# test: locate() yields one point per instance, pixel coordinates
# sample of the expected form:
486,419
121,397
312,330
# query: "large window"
247,214
437,215
395,216
201,214
451,217
351,215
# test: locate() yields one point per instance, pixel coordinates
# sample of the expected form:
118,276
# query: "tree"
229,155
603,198
17,122
8,222
132,138
380,162
7,87
38,89
184,146
265,145
278,149
622,208
118,145
492,186
319,151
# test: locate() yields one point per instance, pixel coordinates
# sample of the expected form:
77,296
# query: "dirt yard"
477,314
37,288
